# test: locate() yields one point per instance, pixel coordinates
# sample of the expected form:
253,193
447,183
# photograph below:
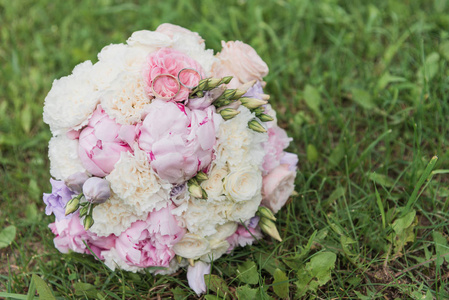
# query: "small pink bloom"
71,235
277,187
277,142
244,236
241,61
149,243
102,141
180,143
195,276
170,61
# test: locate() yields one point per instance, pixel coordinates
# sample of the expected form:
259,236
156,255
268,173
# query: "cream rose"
243,184
241,61
214,184
217,249
278,185
244,210
192,246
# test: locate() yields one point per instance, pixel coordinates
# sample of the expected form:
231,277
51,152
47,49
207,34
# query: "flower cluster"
165,154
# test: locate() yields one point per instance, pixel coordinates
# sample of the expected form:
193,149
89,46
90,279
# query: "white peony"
64,159
126,102
149,40
243,184
202,217
192,246
113,217
237,144
137,184
71,100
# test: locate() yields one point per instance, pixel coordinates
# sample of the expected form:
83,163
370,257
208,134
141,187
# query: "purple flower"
56,201
256,91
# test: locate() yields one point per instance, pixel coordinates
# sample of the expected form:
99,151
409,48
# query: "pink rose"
277,187
170,61
149,243
277,142
180,143
102,141
71,235
241,61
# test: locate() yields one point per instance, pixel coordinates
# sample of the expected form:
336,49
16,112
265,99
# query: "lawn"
361,86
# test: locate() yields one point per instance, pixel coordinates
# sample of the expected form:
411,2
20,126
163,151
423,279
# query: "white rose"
214,184
192,246
243,184
150,40
217,249
244,210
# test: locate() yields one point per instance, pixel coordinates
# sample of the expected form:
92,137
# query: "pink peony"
149,243
241,61
277,142
179,141
277,187
170,61
101,142
71,235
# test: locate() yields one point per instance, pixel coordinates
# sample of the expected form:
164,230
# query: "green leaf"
280,284
42,288
217,285
269,263
336,194
444,49
386,79
403,230
312,153
336,155
315,273
313,99
31,213
248,272
362,98
429,68
85,289
380,179
179,293
26,118
245,292
7,236
441,246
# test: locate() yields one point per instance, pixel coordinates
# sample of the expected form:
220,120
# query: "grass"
362,87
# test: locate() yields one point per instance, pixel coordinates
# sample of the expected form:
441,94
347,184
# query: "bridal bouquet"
165,155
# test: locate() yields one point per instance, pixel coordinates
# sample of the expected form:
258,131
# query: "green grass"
361,86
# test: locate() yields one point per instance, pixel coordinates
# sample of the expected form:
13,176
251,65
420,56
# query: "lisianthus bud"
228,94
195,190
227,79
265,118
252,102
88,222
84,210
241,90
203,84
75,181
229,113
265,212
256,126
201,176
72,205
96,190
204,194
269,228
213,83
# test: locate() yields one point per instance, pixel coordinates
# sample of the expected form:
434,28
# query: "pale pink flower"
102,141
149,243
195,276
277,142
172,30
241,61
277,187
179,141
170,61
245,235
71,235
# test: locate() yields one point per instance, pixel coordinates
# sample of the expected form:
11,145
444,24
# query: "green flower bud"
202,85
201,176
88,222
204,194
256,126
228,94
252,102
265,117
229,113
213,83
265,212
196,191
72,205
84,210
269,228
227,79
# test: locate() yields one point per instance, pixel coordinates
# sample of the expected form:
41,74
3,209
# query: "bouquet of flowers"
165,155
